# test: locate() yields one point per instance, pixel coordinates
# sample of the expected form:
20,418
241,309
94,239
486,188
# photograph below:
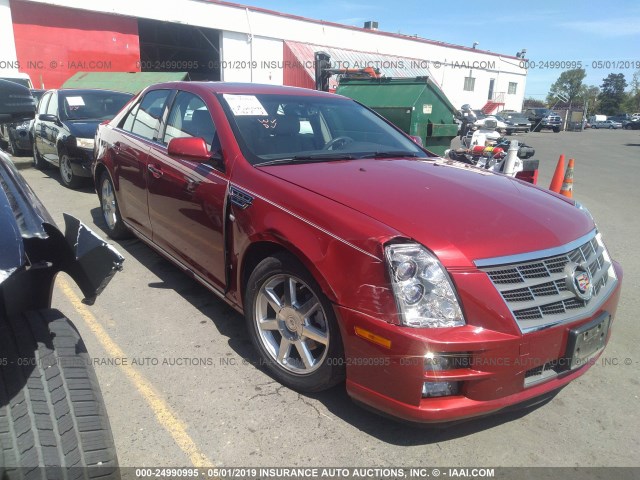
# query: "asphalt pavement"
183,387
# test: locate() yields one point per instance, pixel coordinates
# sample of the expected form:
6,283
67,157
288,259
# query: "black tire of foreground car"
116,229
293,326
51,408
38,162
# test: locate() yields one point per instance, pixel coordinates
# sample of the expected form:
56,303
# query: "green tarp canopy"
129,82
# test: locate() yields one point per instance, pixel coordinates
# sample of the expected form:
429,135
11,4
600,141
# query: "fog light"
434,362
440,389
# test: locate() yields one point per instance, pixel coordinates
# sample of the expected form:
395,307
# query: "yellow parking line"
160,408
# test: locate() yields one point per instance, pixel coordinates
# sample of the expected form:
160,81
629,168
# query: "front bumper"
389,377
81,160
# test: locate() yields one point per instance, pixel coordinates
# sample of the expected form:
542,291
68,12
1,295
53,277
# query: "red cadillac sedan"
439,291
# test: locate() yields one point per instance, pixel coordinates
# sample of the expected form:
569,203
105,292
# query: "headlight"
424,293
85,143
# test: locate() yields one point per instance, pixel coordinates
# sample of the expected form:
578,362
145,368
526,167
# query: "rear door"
130,149
38,132
186,197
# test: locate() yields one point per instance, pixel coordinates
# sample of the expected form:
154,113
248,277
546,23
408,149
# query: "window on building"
513,86
469,84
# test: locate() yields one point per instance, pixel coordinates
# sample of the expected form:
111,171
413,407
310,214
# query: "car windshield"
273,128
91,105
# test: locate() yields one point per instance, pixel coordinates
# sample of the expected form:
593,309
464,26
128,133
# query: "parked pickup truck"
543,118
439,291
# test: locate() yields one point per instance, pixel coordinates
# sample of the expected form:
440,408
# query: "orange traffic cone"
556,181
567,184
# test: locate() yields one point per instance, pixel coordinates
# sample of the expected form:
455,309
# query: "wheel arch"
264,248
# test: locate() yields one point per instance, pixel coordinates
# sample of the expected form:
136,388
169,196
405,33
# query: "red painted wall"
53,43
292,75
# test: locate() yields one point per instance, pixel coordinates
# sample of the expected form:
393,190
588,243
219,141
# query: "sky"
604,36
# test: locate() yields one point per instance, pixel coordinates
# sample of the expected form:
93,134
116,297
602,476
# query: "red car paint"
336,217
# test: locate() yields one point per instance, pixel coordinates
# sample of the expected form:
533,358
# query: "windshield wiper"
320,157
389,154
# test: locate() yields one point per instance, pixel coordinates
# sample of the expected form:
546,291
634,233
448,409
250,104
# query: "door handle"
192,185
156,172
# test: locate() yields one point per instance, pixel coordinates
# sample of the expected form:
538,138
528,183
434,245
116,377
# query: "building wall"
250,33
8,58
53,43
248,58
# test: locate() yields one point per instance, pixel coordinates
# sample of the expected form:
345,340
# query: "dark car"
65,126
516,122
632,125
347,247
20,135
51,409
543,118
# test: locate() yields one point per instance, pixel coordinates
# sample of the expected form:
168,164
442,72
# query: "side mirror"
194,148
48,117
416,139
16,103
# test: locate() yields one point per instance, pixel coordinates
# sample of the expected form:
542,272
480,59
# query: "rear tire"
38,162
51,408
116,229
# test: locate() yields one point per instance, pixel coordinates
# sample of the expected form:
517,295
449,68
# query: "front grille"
542,373
537,291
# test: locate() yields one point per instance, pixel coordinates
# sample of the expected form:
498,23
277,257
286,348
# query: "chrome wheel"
65,169
108,202
291,324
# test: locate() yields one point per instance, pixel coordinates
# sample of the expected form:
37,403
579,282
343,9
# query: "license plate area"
586,341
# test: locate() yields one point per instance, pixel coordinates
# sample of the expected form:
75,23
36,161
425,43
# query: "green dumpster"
415,105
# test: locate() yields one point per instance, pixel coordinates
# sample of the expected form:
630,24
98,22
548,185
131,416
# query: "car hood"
83,128
461,213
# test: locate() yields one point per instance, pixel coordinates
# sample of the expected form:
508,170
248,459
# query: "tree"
533,103
632,102
612,94
589,95
568,84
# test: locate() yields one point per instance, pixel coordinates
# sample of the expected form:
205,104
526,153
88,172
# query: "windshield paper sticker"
245,105
75,101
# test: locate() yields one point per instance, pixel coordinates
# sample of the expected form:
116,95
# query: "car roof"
80,91
241,88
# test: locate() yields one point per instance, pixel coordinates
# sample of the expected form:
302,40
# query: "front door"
187,197
492,83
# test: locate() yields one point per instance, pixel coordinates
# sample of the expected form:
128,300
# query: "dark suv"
542,118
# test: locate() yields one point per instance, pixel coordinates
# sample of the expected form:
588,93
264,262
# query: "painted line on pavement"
161,409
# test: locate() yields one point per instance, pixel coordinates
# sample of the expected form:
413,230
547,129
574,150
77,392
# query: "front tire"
116,229
51,408
69,179
293,326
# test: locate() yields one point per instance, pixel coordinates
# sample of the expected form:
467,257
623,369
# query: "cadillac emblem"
579,280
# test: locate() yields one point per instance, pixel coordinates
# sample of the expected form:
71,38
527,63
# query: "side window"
42,105
131,116
189,117
148,114
52,108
